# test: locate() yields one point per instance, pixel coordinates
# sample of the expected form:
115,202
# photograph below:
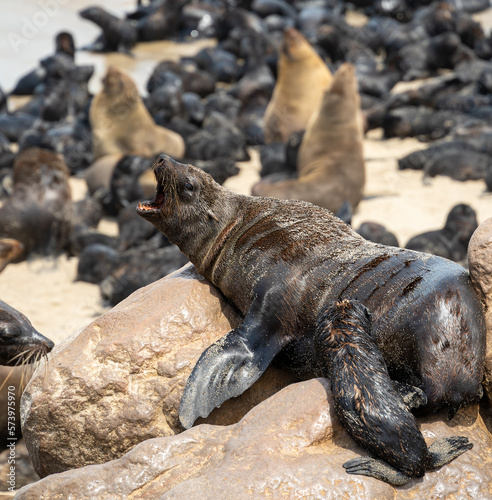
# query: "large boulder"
119,381
480,266
290,446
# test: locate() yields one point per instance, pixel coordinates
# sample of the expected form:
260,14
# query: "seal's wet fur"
282,263
20,342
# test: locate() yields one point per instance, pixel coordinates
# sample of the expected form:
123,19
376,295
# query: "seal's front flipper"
225,370
376,468
444,450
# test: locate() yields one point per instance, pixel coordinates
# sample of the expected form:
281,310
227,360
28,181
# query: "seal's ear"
225,370
212,215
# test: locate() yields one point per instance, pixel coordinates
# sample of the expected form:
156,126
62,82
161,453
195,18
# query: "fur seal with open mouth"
281,263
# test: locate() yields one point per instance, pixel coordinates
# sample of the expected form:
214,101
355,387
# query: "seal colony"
282,263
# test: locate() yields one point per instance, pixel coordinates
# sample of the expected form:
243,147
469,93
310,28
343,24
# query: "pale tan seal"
121,124
302,79
331,166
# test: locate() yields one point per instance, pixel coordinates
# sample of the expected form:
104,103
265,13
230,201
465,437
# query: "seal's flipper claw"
378,469
225,370
412,396
444,450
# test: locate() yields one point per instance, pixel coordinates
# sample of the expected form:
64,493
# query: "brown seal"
301,81
38,213
330,165
121,124
282,262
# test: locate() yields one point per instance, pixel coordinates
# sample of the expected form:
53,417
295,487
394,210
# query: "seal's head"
294,46
20,342
189,207
119,85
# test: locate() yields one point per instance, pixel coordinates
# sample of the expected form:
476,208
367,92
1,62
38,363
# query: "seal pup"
38,213
118,35
280,262
302,79
20,342
330,162
121,124
452,240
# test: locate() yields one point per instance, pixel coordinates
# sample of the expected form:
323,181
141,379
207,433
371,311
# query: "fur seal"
117,34
122,124
38,213
281,262
20,342
10,251
452,240
302,79
330,161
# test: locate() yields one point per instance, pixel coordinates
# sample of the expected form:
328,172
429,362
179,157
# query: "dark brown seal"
20,342
365,398
281,262
38,213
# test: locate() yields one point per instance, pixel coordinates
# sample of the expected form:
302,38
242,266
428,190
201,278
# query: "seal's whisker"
7,377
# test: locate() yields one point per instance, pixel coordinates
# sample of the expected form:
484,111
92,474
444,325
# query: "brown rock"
480,266
119,381
290,446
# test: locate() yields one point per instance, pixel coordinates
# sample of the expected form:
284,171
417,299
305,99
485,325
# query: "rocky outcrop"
119,381
480,266
290,446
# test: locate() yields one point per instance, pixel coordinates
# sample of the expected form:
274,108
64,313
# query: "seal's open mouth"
156,204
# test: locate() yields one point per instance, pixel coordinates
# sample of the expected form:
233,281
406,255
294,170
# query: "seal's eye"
188,186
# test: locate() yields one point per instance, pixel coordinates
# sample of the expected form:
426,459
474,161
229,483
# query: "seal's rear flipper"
444,450
225,370
378,469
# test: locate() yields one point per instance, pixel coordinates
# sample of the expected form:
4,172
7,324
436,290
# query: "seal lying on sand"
282,263
20,342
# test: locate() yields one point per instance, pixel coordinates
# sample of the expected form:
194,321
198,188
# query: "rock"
480,266
290,446
119,381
